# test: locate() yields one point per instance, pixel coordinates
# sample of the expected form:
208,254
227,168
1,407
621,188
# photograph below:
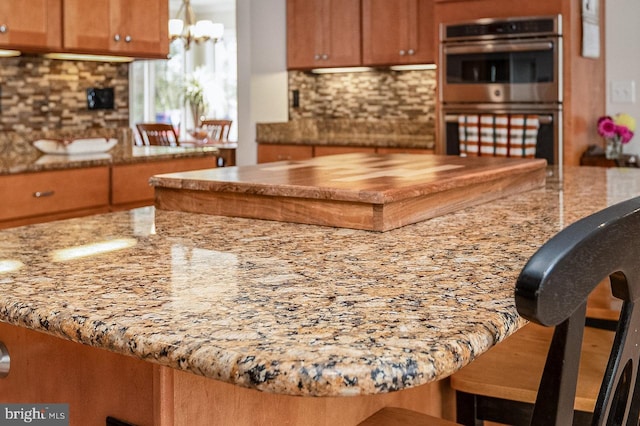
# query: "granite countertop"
18,155
342,132
289,308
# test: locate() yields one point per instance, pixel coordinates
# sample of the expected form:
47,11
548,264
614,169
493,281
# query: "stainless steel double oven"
503,66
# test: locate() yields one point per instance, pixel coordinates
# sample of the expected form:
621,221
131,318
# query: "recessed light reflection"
8,265
94,249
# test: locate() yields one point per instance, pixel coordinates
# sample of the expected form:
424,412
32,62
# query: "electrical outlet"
296,98
623,92
100,98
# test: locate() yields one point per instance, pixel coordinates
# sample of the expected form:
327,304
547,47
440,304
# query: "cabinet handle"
402,53
116,37
325,57
5,361
411,51
127,39
3,28
42,194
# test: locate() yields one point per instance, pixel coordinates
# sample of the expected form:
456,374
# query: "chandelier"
190,30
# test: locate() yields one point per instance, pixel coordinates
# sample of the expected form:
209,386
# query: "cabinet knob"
5,361
325,57
411,52
127,39
116,37
402,53
3,28
316,57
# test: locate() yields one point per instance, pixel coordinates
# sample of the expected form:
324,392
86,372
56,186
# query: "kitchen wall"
373,95
623,61
47,94
262,70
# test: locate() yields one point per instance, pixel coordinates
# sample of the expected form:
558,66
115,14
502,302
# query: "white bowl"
75,146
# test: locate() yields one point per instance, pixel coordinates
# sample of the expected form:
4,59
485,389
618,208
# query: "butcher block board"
362,191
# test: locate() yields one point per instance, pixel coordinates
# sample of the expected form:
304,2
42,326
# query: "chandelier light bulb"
189,30
175,28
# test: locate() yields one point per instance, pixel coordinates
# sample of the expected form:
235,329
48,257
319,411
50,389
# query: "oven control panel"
512,27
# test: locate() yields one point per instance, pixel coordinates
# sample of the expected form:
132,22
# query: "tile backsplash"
40,94
380,94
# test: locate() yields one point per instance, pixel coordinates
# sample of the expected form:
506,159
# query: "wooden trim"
163,400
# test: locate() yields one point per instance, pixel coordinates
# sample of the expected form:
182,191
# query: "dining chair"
579,363
218,129
157,134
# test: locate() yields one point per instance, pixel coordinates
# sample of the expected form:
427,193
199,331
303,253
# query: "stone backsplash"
348,132
40,94
380,94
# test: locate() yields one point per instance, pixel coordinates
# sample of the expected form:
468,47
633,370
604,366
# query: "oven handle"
542,118
498,48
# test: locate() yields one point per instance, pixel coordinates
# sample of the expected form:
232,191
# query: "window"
158,88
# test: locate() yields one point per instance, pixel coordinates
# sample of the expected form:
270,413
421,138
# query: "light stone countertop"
18,155
289,308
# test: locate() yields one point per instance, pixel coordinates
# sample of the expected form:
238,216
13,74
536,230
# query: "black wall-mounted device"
100,98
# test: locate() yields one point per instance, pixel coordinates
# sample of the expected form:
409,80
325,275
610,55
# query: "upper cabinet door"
31,24
397,32
128,27
140,27
323,33
86,25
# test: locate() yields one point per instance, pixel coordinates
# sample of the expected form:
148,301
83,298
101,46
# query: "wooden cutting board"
362,191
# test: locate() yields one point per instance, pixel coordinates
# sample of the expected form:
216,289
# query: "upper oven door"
504,71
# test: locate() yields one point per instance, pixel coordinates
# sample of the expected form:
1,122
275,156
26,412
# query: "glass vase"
613,150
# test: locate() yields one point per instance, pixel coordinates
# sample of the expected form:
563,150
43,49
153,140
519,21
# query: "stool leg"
466,409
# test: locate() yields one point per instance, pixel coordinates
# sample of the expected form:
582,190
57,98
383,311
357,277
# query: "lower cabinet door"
130,182
52,192
268,153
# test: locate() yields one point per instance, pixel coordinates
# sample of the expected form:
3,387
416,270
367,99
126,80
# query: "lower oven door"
549,134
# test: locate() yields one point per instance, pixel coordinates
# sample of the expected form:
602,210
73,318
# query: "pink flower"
624,133
606,127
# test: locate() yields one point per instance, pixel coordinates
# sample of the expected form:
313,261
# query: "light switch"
623,92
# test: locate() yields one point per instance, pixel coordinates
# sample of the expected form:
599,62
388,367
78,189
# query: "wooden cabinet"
281,152
95,383
404,151
30,24
130,182
268,153
29,198
323,33
334,150
38,197
124,27
398,32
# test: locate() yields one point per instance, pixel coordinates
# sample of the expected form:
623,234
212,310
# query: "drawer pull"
41,194
5,361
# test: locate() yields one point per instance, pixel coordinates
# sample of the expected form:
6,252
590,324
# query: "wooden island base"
97,383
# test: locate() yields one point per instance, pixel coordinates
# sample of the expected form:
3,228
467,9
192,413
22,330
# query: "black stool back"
552,290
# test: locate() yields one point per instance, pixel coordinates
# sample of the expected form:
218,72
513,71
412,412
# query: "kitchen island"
218,320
